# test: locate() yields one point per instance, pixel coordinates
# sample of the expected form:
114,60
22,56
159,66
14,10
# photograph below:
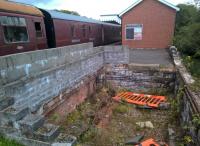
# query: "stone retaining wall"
189,99
139,77
34,78
116,55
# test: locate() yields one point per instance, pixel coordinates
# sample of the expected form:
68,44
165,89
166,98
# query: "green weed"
7,142
121,109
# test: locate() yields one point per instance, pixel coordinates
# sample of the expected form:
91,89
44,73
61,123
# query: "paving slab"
150,56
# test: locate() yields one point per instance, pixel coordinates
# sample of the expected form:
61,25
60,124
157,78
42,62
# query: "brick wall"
138,77
74,98
158,22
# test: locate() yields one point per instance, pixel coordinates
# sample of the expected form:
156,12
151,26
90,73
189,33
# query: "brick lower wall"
139,77
74,98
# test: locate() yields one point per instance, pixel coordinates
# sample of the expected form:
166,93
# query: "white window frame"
128,26
18,42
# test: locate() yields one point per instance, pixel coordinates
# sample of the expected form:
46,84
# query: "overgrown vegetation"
175,106
121,109
7,142
187,37
100,121
196,85
196,121
193,65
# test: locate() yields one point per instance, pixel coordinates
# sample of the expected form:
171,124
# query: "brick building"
148,24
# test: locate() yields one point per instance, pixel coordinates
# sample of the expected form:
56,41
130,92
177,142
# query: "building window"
90,29
73,32
134,32
38,30
14,29
84,30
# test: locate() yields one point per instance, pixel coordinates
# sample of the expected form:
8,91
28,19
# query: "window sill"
17,42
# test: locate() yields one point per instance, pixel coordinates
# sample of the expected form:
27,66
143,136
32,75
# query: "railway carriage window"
134,32
90,30
84,30
14,29
38,30
73,32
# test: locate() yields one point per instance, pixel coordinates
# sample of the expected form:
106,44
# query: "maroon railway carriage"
69,29
21,28
112,33
27,28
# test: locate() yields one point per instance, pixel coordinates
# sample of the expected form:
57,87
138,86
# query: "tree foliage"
69,12
187,37
187,34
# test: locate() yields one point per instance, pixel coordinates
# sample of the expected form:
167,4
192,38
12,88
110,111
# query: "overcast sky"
89,8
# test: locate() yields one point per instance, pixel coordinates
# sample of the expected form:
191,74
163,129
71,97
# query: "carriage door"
39,35
103,35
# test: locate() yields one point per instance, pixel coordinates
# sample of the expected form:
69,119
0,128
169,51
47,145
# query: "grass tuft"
7,142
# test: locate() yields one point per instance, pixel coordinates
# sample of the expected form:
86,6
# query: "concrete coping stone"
156,67
187,77
46,71
33,56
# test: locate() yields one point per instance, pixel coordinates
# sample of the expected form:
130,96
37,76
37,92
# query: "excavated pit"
73,87
100,121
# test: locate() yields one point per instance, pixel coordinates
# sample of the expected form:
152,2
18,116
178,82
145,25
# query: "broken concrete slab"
6,102
68,140
161,106
147,124
47,133
31,123
135,140
171,136
164,106
143,107
171,132
11,115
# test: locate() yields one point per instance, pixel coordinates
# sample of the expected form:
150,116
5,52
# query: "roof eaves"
129,8
170,5
139,1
